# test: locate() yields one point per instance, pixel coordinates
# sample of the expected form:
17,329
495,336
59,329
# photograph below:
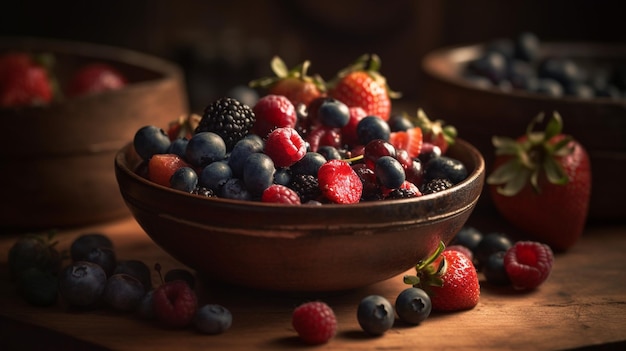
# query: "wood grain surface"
581,306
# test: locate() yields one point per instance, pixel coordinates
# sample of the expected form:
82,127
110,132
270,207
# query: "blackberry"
200,190
229,118
401,194
436,185
306,186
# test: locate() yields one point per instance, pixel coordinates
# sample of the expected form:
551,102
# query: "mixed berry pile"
516,64
341,145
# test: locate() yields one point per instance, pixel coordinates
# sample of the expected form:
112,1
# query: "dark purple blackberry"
306,186
436,185
401,194
229,118
200,190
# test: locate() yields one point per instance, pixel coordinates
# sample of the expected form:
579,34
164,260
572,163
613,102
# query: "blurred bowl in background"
480,113
57,160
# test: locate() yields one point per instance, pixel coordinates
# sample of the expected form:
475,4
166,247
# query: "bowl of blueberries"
496,87
272,209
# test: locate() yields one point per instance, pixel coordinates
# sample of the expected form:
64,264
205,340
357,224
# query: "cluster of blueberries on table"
518,64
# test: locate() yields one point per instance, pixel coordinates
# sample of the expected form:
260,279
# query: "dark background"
220,44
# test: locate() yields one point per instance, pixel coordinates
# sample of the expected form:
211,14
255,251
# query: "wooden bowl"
299,248
479,113
57,160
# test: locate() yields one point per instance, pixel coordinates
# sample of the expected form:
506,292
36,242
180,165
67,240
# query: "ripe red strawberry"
528,264
271,112
94,78
409,140
174,304
24,83
315,322
362,85
295,83
541,183
339,182
435,132
450,279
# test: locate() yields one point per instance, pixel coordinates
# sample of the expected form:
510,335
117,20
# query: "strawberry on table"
541,183
362,85
450,279
24,82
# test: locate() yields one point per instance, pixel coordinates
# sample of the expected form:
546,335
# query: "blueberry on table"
375,314
213,319
137,269
81,284
82,246
123,292
413,305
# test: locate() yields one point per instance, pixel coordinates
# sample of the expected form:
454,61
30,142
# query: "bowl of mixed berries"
317,191
68,107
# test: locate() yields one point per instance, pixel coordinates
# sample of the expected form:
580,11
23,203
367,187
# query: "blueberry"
238,156
503,46
178,147
580,90
521,75
123,292
235,189
333,113
469,237
150,140
82,246
564,71
213,319
370,128
491,243
491,65
428,152
399,122
494,269
413,305
445,167
137,269
104,257
184,179
549,87
181,274
258,173
389,172
214,175
82,283
145,307
375,314
309,164
329,152
204,148
527,47
282,176
38,287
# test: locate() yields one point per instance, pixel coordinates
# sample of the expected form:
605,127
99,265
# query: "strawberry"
541,183
450,279
294,83
24,82
362,85
315,322
435,132
409,140
94,78
339,182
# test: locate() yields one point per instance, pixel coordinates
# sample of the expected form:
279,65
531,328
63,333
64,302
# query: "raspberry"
285,146
315,322
175,304
339,182
228,118
271,112
280,194
528,264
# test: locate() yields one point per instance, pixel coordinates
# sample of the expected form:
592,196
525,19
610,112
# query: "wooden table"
581,306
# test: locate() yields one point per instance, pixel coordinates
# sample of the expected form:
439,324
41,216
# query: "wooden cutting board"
583,304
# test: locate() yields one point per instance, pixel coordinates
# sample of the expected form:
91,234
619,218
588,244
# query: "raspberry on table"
175,304
315,322
528,264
